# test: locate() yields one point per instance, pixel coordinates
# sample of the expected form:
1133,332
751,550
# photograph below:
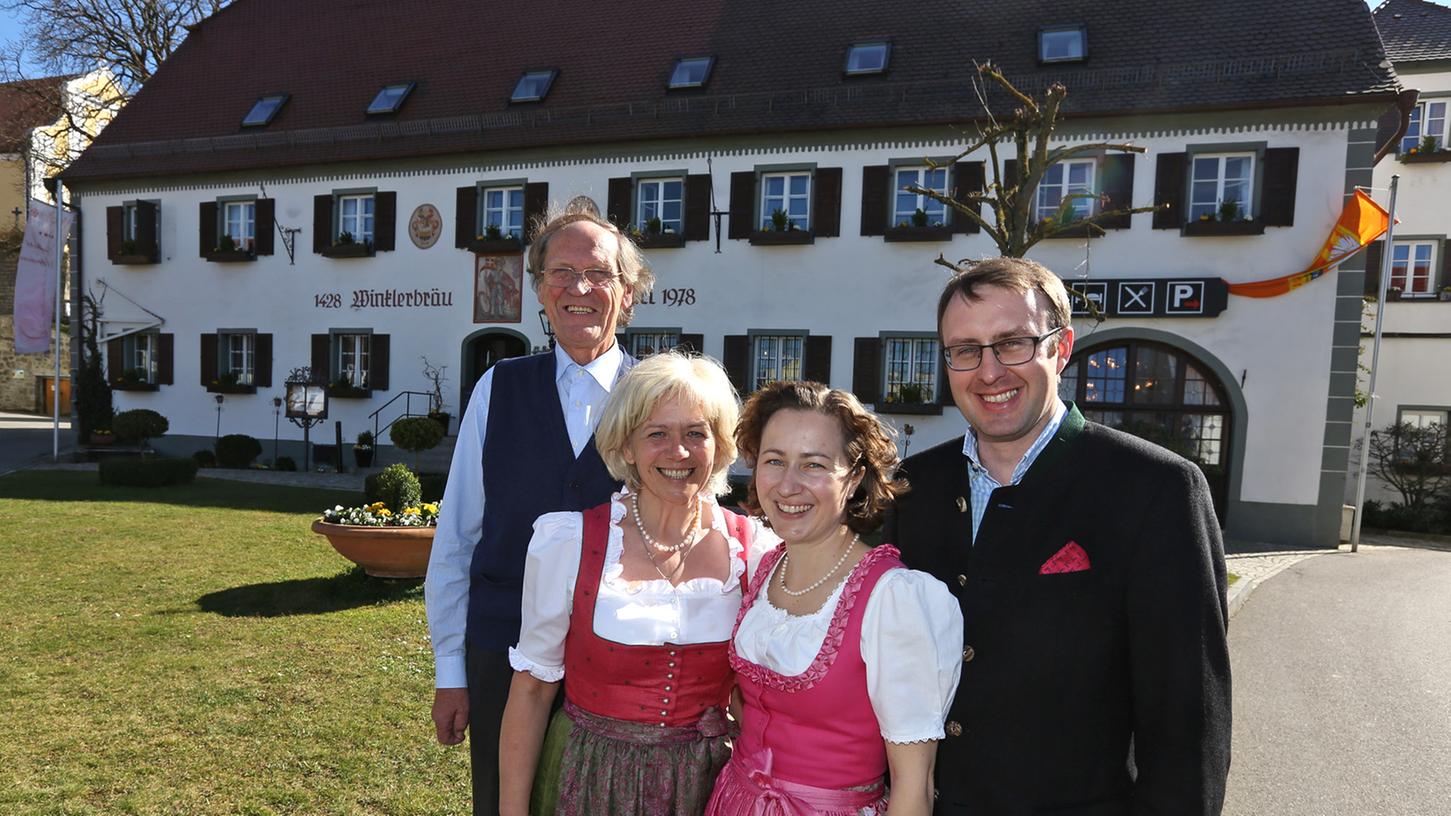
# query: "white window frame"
128,222
1421,126
242,228
1421,417
1246,203
1082,43
503,213
770,203
360,223
919,175
1414,285
141,354
1064,186
353,356
656,340
777,356
651,200
239,356
910,359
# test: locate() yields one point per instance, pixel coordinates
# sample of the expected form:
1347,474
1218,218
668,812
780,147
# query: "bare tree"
68,38
1013,224
1415,460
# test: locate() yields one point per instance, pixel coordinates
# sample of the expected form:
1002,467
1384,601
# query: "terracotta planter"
382,552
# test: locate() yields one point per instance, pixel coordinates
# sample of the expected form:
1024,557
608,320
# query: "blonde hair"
691,379
630,262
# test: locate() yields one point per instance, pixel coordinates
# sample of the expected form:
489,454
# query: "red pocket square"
1071,558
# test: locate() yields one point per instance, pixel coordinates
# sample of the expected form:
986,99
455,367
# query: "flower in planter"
344,238
377,514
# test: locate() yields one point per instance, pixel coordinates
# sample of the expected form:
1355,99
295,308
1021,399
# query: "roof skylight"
390,99
263,110
868,58
533,86
691,72
1063,44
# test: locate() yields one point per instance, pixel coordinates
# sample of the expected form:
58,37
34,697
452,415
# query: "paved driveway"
24,437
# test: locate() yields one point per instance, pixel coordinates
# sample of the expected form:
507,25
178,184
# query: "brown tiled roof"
778,68
1414,30
28,104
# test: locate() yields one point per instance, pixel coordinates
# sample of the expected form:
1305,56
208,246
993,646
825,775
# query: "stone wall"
20,374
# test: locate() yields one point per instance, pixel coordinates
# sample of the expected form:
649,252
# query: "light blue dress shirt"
983,484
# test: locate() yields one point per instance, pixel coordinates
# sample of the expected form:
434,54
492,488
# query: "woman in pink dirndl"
846,661
630,605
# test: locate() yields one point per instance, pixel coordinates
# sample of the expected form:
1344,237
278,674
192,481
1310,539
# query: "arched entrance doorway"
481,351
1159,393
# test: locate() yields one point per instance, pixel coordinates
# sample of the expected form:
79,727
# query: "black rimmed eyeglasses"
1012,351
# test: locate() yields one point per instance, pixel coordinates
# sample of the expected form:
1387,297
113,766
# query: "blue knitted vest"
529,470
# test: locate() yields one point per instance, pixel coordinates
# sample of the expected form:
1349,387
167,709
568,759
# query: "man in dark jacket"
1090,570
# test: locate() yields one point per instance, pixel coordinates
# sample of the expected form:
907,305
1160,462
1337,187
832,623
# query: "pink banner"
35,280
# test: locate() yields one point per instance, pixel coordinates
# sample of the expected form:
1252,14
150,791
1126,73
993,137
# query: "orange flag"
1362,222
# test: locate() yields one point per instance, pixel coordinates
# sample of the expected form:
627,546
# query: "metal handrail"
407,411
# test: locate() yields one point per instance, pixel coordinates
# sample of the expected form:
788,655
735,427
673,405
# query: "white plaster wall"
847,287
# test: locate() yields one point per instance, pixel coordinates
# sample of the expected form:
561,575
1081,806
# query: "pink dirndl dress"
810,744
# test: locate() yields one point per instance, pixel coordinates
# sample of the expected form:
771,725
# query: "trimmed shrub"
415,434
205,458
237,450
431,486
285,463
154,471
395,486
138,425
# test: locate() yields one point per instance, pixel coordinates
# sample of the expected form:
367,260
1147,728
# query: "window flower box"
230,388
1218,228
496,246
133,259
914,233
231,256
1426,157
337,391
782,238
350,250
660,240
133,385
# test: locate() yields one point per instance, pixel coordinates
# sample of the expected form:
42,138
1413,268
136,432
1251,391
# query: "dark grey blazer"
1063,672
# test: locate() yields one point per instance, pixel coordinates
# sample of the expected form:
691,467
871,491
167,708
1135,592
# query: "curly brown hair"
867,442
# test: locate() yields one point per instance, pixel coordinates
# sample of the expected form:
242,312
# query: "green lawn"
199,650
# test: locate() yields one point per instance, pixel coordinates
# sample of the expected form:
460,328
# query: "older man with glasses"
1090,572
525,448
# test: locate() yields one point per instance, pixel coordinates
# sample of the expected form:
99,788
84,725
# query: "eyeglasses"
562,277
1013,351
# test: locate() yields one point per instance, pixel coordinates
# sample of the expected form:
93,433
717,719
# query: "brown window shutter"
322,222
944,385
322,349
466,216
866,371
1116,188
1277,199
210,359
266,215
262,361
1445,249
736,359
1010,172
146,241
967,178
743,205
692,343
114,218
115,359
1169,170
378,363
536,207
697,208
207,227
385,221
1374,257
817,365
876,198
618,205
166,350
826,202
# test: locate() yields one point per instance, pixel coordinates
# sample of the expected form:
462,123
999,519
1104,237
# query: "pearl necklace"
665,548
786,558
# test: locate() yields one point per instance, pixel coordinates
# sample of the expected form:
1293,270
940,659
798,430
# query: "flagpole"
59,289
1387,259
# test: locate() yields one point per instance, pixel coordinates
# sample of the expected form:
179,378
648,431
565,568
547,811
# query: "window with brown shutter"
866,369
697,207
536,205
736,360
817,363
826,202
1279,174
620,201
466,215
743,205
266,225
967,178
876,193
1170,170
1116,189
